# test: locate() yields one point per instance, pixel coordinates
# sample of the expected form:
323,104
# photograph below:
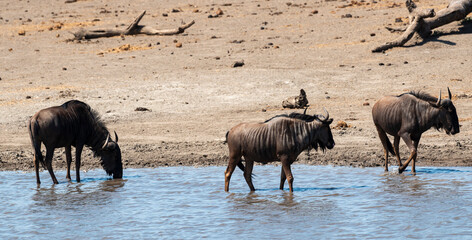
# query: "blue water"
189,203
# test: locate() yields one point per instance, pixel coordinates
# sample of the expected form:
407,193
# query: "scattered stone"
362,40
405,62
389,64
28,97
178,45
217,58
264,110
237,41
238,64
372,34
196,10
347,15
21,32
165,14
398,20
366,104
456,80
70,1
219,12
381,64
64,69
314,12
142,109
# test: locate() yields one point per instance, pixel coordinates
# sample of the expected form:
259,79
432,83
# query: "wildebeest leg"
49,155
282,178
78,152
411,146
415,142
288,172
386,160
36,167
383,138
233,161
69,161
396,145
248,173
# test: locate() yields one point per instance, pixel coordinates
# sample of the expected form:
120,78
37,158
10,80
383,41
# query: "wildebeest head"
324,137
447,119
110,155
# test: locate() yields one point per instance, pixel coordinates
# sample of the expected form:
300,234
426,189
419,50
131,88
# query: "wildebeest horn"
106,142
116,136
439,98
327,115
449,92
304,112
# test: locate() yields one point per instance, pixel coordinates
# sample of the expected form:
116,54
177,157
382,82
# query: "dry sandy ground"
194,94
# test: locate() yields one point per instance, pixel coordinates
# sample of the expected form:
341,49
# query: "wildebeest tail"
33,128
226,138
384,139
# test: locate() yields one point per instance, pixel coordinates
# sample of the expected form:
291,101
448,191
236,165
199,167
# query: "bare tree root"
132,29
422,21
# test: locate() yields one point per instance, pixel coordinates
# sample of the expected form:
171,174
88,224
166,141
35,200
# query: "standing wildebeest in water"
409,115
281,138
73,123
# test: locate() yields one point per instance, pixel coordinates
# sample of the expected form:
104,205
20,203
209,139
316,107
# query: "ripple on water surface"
188,202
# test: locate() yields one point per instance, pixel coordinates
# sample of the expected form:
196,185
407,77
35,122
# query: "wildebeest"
73,123
281,138
299,101
409,115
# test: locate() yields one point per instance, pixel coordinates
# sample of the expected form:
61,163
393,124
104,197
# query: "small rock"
21,32
264,110
238,64
366,104
178,45
314,12
372,34
381,64
64,69
175,10
362,40
219,12
28,97
142,109
165,14
347,15
405,62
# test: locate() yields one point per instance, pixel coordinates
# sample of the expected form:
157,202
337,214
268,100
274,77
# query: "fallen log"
422,21
132,29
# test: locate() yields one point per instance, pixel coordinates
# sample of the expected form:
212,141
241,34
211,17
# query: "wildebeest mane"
421,95
295,115
97,124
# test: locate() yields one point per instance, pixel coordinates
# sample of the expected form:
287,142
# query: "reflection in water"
74,195
189,203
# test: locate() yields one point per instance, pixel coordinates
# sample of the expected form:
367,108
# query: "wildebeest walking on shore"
281,138
408,116
73,123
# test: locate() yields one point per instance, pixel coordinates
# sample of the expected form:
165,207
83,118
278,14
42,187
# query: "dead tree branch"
422,21
132,29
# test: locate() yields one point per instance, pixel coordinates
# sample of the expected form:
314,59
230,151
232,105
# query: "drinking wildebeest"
73,123
299,101
409,115
281,138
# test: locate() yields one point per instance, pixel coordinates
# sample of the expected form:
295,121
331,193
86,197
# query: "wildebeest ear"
302,92
329,121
